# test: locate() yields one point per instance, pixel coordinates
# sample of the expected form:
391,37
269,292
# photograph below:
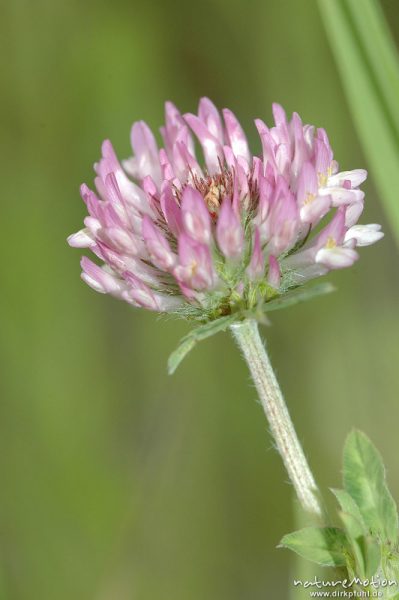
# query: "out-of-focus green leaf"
323,545
368,63
196,335
204,331
364,480
366,550
185,346
348,505
299,295
372,551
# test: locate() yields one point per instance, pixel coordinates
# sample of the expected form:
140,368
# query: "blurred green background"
117,481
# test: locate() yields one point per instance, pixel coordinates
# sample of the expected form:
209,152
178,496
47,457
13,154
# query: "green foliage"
365,550
325,546
222,323
364,481
348,505
196,335
368,63
298,295
368,542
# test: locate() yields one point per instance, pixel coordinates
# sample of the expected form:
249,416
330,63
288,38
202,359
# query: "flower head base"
226,238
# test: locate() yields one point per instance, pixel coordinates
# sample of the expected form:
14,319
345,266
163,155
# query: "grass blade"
369,66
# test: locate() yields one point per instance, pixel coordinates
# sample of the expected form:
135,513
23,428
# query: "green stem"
248,339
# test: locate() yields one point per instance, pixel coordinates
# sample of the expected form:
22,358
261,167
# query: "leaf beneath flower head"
196,335
208,329
298,295
323,545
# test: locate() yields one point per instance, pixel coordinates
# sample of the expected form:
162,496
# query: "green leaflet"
368,543
366,550
326,546
298,295
364,480
368,63
196,335
349,506
372,553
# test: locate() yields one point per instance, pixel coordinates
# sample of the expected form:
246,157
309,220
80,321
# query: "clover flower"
226,242
227,237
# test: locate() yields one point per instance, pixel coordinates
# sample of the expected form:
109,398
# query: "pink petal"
236,135
175,129
308,134
139,294
157,246
121,263
315,210
356,177
268,144
81,239
323,157
195,214
185,165
195,268
336,258
307,183
364,235
99,279
120,240
280,120
274,274
300,147
283,219
209,115
265,197
352,213
91,200
341,196
131,193
145,160
284,207
213,151
229,232
93,225
335,230
171,209
167,169
256,267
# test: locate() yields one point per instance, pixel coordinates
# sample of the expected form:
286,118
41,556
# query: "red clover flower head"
224,238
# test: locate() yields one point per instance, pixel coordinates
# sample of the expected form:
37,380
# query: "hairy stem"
248,339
